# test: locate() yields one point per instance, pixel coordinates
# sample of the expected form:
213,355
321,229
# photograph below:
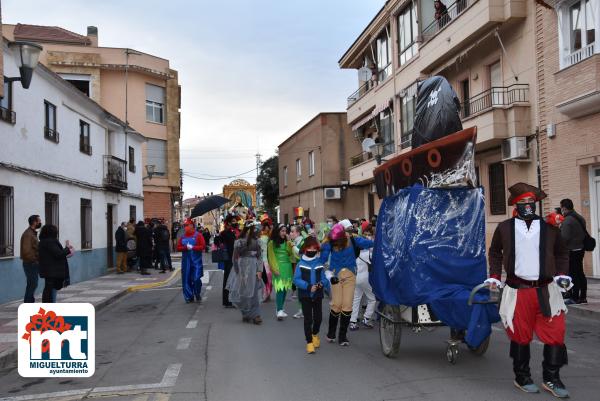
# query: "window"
311,163
7,213
285,176
131,159
80,81
384,57
577,31
286,219
50,122
497,189
84,138
155,100
386,131
86,224
408,119
156,154
298,169
51,209
132,212
6,112
407,34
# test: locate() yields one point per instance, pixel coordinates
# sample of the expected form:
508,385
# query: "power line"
220,178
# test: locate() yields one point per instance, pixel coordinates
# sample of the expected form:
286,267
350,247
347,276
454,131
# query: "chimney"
92,34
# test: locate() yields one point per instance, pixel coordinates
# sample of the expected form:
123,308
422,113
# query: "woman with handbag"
54,267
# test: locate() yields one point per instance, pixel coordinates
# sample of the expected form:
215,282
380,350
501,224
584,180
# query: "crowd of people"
265,260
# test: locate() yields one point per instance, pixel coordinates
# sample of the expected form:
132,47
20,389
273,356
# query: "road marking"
169,379
84,299
162,289
12,323
192,324
143,397
184,343
208,287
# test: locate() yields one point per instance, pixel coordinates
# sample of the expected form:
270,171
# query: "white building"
65,158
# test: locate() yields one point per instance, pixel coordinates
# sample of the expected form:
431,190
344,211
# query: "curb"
583,312
154,285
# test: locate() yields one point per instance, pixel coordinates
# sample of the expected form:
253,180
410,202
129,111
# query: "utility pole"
258,163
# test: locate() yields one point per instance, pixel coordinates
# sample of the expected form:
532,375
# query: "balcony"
363,164
360,92
8,116
495,97
498,113
51,135
454,10
115,173
579,55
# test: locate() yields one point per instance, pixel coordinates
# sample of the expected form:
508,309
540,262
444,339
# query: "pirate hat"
521,190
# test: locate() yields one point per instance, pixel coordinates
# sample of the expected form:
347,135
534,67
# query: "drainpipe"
538,165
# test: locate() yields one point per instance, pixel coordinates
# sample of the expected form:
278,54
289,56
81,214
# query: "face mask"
311,254
526,211
38,226
307,227
330,224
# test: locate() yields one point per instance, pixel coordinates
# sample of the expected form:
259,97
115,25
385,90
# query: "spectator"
30,256
162,239
572,231
441,13
206,235
131,229
143,247
54,268
121,248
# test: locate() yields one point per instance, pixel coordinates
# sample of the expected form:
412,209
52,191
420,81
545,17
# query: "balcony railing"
580,55
360,92
406,139
115,173
51,134
8,116
495,97
388,149
454,10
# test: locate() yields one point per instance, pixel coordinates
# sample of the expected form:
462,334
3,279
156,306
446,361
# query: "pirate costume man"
535,260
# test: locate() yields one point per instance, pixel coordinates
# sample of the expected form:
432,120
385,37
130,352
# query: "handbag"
220,255
589,242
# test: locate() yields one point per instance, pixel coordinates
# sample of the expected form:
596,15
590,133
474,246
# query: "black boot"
344,323
333,323
520,355
555,356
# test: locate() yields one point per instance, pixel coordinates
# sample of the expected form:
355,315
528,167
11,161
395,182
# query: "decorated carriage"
429,254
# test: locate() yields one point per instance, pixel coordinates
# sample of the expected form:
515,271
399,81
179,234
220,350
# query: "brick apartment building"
483,48
139,88
568,72
313,171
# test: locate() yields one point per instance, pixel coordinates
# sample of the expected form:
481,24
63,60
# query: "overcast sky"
252,71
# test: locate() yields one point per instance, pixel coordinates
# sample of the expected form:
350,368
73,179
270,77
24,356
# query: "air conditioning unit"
333,193
515,149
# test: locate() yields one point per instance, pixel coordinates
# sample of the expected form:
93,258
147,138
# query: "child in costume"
310,281
265,233
342,270
297,236
191,244
280,256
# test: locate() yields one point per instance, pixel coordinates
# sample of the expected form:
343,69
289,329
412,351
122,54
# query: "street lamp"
29,54
150,169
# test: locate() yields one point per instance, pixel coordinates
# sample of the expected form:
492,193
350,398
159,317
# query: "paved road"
152,346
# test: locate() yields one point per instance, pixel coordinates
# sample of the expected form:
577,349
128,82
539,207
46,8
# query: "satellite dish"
364,74
367,144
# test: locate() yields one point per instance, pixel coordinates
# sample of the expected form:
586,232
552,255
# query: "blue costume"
191,265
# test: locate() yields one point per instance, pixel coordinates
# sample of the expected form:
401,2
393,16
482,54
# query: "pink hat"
337,232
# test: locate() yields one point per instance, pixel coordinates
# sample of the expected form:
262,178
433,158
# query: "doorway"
109,236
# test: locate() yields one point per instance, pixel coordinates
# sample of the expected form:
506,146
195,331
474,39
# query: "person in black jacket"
143,237
227,238
54,267
162,238
121,248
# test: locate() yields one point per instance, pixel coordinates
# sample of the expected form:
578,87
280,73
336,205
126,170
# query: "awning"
362,121
380,108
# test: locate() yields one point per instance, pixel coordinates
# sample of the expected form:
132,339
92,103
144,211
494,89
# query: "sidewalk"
592,309
100,292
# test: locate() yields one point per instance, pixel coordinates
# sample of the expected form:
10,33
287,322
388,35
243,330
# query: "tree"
267,184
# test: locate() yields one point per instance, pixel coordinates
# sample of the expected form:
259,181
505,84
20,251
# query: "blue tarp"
430,249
